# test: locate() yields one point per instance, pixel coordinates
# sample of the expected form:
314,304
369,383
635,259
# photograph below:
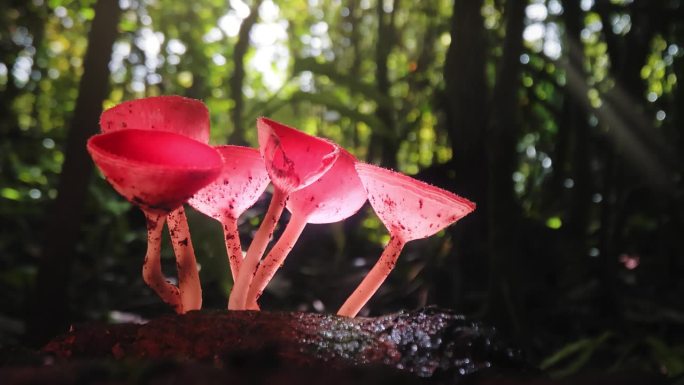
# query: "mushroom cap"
335,196
156,170
178,114
409,208
242,180
293,159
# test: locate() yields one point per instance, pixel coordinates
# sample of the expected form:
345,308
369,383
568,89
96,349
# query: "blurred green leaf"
572,357
10,193
671,359
333,103
353,83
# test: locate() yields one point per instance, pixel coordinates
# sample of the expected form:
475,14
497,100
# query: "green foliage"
648,353
577,354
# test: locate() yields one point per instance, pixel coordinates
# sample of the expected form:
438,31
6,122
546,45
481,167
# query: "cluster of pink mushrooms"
155,152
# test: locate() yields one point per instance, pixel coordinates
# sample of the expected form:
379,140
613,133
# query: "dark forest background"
561,119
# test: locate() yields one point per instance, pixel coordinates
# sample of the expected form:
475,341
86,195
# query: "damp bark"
429,344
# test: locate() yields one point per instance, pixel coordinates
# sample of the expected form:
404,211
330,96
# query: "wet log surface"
425,343
430,346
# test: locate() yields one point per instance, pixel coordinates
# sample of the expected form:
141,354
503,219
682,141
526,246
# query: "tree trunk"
577,123
466,94
383,143
504,306
238,78
465,111
49,312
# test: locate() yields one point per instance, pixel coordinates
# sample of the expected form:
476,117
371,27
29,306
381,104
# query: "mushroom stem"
188,276
151,271
274,260
238,297
374,279
233,246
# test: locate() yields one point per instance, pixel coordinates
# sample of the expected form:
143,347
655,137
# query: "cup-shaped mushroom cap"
293,159
184,116
242,180
337,195
409,208
156,170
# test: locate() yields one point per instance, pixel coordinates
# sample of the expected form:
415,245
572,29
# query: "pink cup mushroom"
410,209
188,117
337,195
242,181
156,171
173,113
293,160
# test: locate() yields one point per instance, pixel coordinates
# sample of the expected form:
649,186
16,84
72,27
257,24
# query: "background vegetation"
561,119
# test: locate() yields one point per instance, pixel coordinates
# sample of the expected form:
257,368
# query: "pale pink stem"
274,260
238,297
374,279
233,246
151,271
188,276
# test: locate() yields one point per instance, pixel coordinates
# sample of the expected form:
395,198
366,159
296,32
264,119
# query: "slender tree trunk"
355,37
580,198
465,111
354,19
383,144
49,313
238,78
578,154
505,306
466,94
195,58
562,160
